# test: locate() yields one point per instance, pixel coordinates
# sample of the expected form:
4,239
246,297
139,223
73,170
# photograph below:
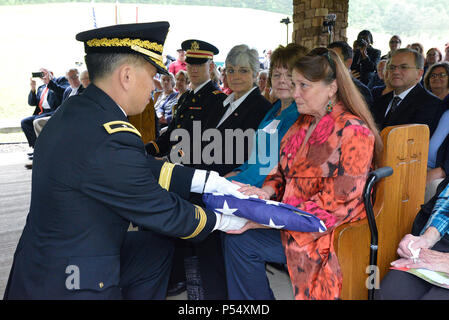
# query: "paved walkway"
15,192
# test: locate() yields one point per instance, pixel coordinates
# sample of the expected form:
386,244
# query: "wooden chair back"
398,200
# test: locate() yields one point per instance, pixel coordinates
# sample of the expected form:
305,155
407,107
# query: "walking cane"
373,177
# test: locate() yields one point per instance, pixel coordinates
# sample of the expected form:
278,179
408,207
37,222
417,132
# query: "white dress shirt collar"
233,104
200,86
404,94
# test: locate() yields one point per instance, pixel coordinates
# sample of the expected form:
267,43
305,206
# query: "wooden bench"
398,200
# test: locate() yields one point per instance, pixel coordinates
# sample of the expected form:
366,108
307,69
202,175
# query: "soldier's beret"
198,52
146,39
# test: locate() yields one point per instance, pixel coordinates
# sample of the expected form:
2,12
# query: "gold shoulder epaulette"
119,126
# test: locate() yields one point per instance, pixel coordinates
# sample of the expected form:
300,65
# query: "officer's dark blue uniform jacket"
91,177
202,107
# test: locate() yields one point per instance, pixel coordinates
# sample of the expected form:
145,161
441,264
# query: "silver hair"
242,55
419,58
172,78
265,72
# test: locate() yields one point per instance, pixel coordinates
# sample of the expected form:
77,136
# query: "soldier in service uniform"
197,105
196,112
90,182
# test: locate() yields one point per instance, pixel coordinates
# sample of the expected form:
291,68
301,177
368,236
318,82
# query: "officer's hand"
217,184
228,223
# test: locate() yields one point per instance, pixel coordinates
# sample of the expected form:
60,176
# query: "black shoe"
176,289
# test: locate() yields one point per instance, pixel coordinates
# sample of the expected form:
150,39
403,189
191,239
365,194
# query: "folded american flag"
269,213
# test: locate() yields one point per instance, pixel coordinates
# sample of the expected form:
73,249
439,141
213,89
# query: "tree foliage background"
404,17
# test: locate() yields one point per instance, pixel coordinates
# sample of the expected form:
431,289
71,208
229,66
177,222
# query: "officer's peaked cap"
198,52
145,39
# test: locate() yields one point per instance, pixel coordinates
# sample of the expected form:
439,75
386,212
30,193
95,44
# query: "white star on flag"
272,225
226,209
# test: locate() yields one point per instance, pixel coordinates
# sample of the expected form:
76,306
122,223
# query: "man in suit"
67,91
64,92
409,102
345,52
92,180
45,101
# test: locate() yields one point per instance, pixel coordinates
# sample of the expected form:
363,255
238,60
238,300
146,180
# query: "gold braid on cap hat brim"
141,46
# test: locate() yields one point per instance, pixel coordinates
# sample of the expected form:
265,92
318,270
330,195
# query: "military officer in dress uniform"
195,107
90,182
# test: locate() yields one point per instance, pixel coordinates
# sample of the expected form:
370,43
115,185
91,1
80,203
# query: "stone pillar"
308,18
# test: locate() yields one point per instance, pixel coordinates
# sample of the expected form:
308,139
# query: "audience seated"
433,254
418,47
181,86
262,82
409,102
65,91
84,78
74,88
436,81
276,122
267,57
215,75
433,56
345,53
365,57
225,86
45,101
377,80
385,87
166,100
395,44
317,172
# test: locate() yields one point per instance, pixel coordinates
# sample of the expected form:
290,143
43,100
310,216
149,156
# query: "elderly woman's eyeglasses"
438,75
241,71
402,67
